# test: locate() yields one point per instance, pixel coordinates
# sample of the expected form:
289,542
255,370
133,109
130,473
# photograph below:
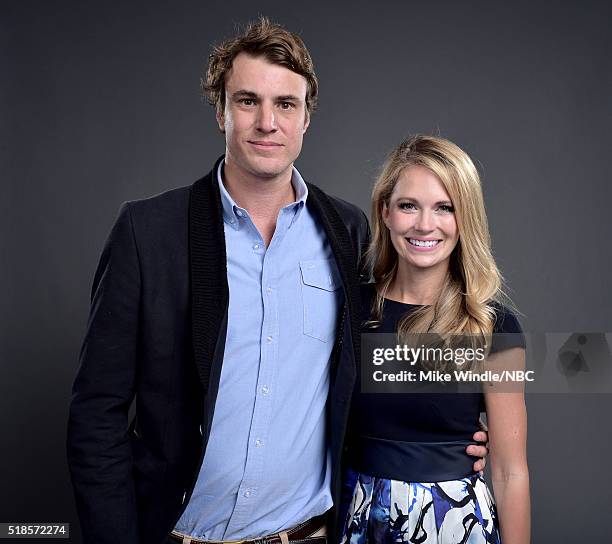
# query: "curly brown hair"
266,39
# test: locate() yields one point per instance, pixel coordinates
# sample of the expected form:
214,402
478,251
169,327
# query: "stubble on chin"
269,171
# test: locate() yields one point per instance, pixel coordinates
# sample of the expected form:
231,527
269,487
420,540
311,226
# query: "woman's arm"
507,420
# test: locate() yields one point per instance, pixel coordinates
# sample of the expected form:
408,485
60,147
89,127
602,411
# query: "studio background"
100,104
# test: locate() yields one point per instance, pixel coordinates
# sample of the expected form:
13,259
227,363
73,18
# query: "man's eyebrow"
288,97
245,93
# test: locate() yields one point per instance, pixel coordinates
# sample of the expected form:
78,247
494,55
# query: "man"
229,311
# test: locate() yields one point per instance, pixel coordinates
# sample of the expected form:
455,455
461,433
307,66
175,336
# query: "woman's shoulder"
506,320
507,330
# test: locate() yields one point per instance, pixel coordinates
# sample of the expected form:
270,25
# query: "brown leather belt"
301,532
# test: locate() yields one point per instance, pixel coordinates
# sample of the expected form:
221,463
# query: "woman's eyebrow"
416,201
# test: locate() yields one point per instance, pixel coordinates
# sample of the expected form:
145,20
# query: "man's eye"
286,105
247,101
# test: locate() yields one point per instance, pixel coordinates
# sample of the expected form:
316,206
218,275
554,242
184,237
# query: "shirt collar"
232,212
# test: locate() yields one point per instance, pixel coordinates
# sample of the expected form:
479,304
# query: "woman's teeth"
423,243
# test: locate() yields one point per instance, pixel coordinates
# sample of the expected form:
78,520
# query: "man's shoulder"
350,213
158,222
172,202
176,199
163,215
340,204
353,218
346,208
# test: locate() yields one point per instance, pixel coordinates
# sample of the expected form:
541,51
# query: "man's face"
265,117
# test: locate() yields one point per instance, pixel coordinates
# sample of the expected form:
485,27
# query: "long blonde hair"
464,305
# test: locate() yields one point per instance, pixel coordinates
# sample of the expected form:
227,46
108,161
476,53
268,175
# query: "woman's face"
421,220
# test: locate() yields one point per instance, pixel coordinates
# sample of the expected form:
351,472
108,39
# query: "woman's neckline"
403,303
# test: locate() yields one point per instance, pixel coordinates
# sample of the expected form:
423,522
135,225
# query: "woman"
408,478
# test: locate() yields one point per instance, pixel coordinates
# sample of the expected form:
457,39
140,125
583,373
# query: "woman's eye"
407,206
446,208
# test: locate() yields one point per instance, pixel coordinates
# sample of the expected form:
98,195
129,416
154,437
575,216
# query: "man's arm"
99,451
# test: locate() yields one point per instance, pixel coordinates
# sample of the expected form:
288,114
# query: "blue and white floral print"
382,511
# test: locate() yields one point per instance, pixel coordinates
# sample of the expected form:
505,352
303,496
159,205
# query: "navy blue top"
419,436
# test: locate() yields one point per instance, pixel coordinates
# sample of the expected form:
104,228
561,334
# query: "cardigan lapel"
208,271
346,259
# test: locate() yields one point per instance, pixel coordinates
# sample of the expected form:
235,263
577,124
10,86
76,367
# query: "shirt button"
255,246
269,290
259,443
247,493
265,389
232,220
269,339
238,213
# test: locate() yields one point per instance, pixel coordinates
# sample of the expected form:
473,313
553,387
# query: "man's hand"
479,450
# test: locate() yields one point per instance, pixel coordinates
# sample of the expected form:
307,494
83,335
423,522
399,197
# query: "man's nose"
266,120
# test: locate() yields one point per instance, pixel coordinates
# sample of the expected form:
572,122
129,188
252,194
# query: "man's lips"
264,143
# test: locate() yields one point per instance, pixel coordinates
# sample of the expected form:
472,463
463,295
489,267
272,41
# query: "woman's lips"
419,244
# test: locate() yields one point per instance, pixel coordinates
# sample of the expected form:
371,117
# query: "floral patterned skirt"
382,511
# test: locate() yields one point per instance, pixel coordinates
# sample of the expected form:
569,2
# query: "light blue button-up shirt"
267,467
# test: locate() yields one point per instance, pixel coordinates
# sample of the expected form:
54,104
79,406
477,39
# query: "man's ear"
220,120
306,121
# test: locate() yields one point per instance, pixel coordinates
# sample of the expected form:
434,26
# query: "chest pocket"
321,295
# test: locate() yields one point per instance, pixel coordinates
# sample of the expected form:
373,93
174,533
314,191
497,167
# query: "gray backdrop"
100,104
